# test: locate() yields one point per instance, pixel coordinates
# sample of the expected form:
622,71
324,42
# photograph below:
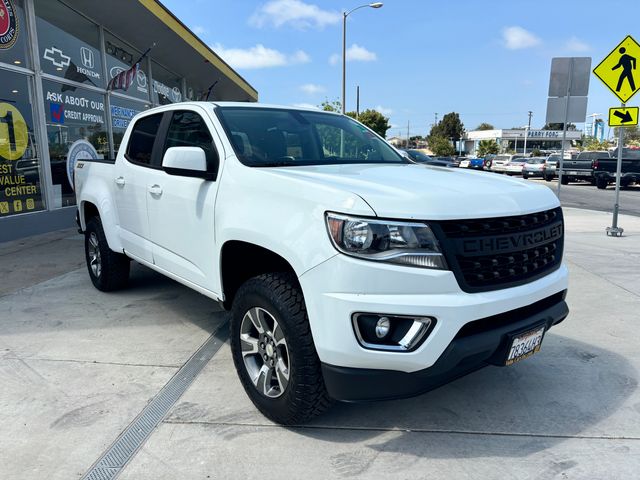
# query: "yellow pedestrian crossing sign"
620,70
623,117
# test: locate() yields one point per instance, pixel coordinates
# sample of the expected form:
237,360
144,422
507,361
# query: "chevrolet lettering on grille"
508,243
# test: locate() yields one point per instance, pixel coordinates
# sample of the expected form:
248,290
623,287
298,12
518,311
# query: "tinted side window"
142,138
187,129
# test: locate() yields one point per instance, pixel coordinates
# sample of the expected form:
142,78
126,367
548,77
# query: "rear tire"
548,178
108,270
273,350
601,183
525,176
565,180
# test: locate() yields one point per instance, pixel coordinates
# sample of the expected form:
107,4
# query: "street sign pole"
614,230
564,124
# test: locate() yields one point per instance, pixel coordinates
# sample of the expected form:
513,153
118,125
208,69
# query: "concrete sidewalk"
78,365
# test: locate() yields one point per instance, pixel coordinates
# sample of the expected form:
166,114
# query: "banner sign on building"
19,179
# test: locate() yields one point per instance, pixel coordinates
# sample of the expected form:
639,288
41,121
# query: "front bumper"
480,343
342,286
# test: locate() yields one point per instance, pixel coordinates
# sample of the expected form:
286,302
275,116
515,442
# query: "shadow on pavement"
569,389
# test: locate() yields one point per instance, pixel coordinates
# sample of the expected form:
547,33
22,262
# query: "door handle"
120,181
155,190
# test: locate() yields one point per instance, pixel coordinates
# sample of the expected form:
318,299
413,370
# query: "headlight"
402,243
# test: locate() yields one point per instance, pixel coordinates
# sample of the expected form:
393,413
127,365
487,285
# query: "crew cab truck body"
580,168
605,168
351,274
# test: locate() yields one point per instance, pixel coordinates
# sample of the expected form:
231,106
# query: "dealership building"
513,139
56,61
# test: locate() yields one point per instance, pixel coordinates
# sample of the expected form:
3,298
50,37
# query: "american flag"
124,79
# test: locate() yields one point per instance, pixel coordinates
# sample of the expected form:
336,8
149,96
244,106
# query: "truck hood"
426,192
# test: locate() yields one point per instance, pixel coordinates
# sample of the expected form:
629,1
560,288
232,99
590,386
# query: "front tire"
273,350
108,270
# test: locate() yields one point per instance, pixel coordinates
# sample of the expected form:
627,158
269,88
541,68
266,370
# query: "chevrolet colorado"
351,274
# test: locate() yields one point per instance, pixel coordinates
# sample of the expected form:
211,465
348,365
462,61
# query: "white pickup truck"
351,274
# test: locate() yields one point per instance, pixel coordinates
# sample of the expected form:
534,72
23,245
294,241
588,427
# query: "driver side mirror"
187,162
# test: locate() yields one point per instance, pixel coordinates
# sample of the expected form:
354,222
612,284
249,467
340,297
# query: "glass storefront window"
167,86
13,33
76,130
121,57
122,111
68,43
20,188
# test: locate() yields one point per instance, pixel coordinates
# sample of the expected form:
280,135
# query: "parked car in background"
604,169
581,167
488,160
514,167
416,156
499,161
550,167
534,167
476,163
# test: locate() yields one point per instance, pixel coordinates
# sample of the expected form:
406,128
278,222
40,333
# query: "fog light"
382,327
391,332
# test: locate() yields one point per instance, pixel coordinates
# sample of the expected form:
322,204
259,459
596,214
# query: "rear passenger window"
142,138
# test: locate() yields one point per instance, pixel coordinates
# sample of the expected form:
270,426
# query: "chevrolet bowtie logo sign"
55,56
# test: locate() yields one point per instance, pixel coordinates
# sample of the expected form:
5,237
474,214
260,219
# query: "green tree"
441,146
331,106
485,126
486,147
630,134
374,120
449,127
558,126
536,153
593,144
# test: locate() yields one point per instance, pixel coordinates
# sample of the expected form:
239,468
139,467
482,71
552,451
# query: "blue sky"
487,60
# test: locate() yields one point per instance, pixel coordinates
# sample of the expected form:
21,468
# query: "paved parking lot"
584,195
77,366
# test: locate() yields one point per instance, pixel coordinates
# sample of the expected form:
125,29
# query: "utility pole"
407,133
357,102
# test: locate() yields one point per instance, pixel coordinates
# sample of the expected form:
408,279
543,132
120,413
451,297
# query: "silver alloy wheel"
265,352
95,261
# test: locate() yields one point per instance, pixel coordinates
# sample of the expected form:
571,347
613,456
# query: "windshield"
536,160
418,156
273,137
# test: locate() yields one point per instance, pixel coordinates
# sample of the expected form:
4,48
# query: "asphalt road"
584,195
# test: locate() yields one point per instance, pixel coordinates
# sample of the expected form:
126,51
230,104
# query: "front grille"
493,253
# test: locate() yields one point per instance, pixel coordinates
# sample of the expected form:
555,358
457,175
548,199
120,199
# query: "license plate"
572,173
525,345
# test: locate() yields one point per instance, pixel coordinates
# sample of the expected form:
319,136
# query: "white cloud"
384,111
312,88
355,53
296,13
199,30
574,44
259,56
516,38
306,105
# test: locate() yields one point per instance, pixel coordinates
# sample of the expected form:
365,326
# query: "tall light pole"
526,132
344,46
